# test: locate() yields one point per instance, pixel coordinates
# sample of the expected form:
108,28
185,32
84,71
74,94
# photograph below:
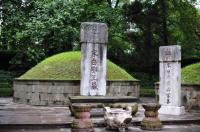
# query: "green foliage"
66,66
158,23
43,28
191,74
184,27
147,92
147,87
6,83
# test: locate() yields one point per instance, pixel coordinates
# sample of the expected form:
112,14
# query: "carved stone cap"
170,53
93,32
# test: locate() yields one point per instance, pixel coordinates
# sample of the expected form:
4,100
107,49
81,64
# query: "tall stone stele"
94,37
170,80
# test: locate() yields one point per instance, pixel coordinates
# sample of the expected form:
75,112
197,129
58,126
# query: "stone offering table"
99,102
102,99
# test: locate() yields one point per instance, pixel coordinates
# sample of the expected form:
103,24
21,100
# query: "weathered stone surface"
69,89
16,94
36,88
93,32
58,90
170,80
22,100
44,96
82,121
50,89
188,92
151,121
28,89
28,95
94,37
47,91
58,97
44,89
170,53
35,99
117,118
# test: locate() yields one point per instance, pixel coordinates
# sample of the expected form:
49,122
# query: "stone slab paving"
13,113
20,114
166,128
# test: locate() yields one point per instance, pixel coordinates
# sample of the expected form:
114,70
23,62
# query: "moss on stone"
66,66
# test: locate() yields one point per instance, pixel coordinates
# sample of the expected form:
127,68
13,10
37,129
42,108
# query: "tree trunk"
164,22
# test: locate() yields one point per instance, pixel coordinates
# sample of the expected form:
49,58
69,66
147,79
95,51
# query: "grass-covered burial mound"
191,74
66,66
52,81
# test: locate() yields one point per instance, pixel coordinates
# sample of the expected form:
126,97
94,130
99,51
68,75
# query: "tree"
42,28
158,22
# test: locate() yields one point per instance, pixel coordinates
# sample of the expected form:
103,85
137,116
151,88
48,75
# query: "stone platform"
26,117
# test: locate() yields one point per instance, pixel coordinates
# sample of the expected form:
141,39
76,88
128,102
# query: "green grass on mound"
191,74
66,66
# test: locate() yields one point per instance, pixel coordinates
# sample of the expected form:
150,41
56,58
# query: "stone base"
172,110
151,124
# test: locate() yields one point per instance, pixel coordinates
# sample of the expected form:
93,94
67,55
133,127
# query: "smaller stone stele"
117,119
151,121
82,121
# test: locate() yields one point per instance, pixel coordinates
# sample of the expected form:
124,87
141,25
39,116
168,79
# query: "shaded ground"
14,117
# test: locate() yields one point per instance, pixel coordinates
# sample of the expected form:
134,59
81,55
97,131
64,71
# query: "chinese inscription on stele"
168,89
94,70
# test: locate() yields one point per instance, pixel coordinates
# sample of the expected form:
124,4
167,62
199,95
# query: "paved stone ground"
166,128
57,119
12,113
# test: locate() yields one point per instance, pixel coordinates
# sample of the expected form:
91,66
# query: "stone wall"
188,91
55,93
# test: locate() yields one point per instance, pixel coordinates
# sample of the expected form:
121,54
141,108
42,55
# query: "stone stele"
94,37
170,80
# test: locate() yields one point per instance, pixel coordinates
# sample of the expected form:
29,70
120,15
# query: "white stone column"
170,80
94,37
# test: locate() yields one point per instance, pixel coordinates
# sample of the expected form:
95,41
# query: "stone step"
102,99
